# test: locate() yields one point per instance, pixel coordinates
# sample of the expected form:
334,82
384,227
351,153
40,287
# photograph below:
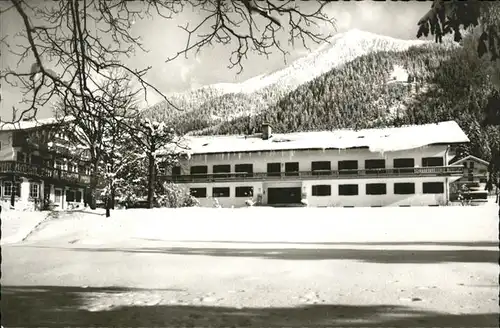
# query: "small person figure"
216,203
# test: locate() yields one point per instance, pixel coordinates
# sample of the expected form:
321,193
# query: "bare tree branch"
231,21
71,42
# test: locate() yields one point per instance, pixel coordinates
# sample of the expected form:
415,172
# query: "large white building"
404,166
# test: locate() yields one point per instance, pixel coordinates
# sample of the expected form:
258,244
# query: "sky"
163,38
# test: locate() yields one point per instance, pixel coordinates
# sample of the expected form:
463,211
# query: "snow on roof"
25,125
473,158
377,140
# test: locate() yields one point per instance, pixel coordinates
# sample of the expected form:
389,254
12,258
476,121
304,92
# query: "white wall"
334,200
362,199
6,151
305,157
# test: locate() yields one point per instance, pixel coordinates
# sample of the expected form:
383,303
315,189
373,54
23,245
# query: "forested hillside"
202,107
443,84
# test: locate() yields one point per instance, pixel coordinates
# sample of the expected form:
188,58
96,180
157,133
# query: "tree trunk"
151,179
108,205
113,196
93,193
93,184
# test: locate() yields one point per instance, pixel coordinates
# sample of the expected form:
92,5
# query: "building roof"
32,124
376,140
471,158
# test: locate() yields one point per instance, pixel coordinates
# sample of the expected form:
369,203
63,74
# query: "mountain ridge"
259,92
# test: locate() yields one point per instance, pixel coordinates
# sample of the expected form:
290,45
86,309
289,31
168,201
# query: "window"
58,164
348,190
199,172
376,189
374,166
292,169
36,160
72,167
78,196
244,191
8,189
70,196
176,170
404,188
274,169
162,167
432,161
176,173
321,168
198,192
34,190
321,190
404,165
21,157
221,171
244,168
348,167
433,188
220,192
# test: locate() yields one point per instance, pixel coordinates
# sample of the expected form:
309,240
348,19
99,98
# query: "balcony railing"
43,146
320,174
43,172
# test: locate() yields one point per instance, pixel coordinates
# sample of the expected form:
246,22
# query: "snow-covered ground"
428,266
16,225
137,227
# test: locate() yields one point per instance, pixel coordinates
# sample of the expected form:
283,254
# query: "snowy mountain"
231,100
343,48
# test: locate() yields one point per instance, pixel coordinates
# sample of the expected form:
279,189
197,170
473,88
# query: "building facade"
39,167
404,166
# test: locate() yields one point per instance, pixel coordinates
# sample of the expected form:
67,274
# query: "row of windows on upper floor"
375,164
400,188
58,163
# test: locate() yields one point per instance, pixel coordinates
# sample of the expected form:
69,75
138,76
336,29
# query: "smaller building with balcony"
472,185
40,167
403,166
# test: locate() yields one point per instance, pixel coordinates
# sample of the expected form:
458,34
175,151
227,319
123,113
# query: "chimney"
266,131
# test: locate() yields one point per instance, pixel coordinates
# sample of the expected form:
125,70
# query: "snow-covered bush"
249,202
175,196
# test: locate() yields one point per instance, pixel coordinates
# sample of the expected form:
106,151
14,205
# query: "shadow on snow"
36,306
482,243
365,255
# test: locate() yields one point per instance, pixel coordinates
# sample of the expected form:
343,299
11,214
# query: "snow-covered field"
428,266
